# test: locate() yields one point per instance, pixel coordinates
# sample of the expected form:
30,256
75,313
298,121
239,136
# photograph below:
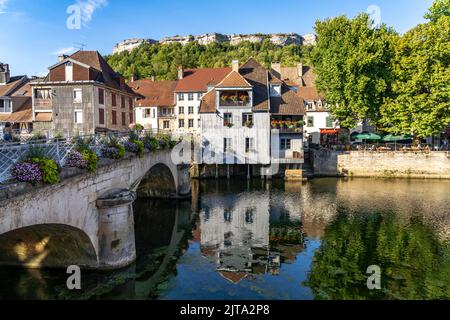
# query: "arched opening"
159,182
47,246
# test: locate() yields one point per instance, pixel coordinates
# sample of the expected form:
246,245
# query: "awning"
43,117
330,131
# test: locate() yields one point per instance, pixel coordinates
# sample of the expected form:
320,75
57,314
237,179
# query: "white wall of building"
147,116
195,116
320,122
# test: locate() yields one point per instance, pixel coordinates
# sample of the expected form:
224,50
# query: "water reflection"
275,240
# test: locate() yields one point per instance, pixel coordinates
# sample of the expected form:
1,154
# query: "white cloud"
88,7
64,51
3,6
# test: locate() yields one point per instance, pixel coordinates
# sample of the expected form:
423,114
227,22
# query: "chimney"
276,67
235,65
180,73
62,57
4,73
300,69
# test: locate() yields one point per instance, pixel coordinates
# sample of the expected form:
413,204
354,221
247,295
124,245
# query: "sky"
34,32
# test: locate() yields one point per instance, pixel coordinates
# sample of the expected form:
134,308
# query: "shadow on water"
242,239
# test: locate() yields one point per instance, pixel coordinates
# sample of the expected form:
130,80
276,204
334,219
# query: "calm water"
256,240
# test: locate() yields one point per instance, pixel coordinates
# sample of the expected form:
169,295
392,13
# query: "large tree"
352,61
438,9
421,97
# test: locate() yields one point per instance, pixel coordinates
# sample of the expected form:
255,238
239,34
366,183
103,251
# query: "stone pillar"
117,247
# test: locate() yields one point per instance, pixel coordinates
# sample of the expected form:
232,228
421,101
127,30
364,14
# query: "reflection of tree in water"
414,263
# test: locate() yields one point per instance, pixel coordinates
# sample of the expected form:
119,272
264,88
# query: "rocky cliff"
234,39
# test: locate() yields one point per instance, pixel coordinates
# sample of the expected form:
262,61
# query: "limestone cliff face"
234,39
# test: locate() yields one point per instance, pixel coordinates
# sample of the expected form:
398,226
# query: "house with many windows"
192,85
155,106
252,119
320,127
15,101
81,95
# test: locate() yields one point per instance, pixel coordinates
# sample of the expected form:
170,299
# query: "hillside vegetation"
162,61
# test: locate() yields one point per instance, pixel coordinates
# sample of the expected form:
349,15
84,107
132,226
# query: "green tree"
352,61
421,97
438,9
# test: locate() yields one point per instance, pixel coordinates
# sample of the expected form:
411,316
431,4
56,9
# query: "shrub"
92,160
150,142
112,149
49,170
27,172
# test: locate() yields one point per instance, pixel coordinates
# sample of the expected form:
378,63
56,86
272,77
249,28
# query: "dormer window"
275,90
5,106
310,106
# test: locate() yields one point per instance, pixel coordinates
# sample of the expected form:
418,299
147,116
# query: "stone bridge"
87,219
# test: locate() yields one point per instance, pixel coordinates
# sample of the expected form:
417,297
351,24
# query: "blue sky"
32,32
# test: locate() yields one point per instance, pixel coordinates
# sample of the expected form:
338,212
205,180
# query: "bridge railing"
56,149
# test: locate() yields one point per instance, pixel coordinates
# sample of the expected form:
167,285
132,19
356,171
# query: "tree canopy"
438,9
162,61
421,97
352,61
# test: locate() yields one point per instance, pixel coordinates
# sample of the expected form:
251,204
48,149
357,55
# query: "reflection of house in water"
237,234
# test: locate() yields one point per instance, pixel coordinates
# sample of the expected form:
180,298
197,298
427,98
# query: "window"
5,106
130,103
122,101
310,122
181,110
227,119
166,124
77,96
227,145
191,110
247,119
181,97
154,113
146,113
124,119
164,111
101,116
228,216
199,123
131,117
199,96
249,216
310,106
181,123
249,144
191,123
330,121
114,117
78,117
101,96
113,99
275,90
190,96
286,144
43,94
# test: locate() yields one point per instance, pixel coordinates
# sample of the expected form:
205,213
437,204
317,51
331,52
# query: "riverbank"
329,163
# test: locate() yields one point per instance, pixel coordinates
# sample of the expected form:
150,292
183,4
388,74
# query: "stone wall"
434,165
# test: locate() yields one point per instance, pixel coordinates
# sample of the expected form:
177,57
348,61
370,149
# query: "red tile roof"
10,87
155,93
234,80
198,80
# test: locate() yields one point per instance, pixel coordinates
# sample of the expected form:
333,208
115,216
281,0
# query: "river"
242,239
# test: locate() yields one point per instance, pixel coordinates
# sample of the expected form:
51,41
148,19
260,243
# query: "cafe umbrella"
396,139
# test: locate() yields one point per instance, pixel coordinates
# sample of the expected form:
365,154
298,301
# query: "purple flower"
76,160
110,152
27,172
131,147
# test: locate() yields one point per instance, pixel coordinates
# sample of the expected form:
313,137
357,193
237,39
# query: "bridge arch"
43,245
158,182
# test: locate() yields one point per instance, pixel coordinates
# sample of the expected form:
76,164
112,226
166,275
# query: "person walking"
7,132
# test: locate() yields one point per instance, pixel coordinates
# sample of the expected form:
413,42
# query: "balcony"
235,99
288,126
43,104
